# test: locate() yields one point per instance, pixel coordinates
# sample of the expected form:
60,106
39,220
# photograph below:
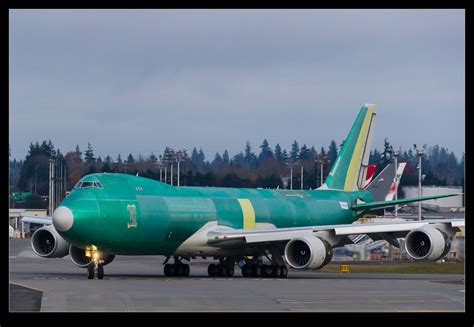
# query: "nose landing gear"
96,266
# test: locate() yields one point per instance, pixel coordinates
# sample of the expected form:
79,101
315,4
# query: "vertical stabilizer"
350,168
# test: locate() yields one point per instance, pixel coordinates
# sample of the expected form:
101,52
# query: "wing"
336,234
46,220
384,204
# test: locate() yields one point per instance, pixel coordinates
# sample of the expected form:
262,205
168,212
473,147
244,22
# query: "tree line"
268,167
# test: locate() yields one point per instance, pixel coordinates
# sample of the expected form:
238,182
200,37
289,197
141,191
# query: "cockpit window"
88,185
98,185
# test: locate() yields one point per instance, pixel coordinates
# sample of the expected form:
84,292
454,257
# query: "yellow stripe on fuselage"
356,155
248,213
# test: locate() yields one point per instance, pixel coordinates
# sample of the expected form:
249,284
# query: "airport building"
20,229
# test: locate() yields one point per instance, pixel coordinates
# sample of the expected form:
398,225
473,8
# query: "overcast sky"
135,81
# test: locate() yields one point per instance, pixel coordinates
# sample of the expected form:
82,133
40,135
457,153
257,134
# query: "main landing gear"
253,267
178,269
261,270
225,268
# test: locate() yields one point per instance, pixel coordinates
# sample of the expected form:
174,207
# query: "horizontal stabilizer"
384,204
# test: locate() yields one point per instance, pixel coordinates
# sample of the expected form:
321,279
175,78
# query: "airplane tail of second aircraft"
349,170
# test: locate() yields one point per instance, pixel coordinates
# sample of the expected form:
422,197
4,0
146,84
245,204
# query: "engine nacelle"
79,258
308,252
47,243
427,242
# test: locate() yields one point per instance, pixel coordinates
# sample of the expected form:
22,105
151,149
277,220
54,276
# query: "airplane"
109,214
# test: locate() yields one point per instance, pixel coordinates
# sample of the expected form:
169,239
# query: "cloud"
139,80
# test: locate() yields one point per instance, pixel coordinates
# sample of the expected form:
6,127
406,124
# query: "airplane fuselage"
132,215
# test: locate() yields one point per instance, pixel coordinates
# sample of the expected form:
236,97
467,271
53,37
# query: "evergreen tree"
312,153
285,157
278,153
304,153
130,159
239,159
217,162
249,157
202,157
265,152
92,170
295,150
119,159
108,159
89,154
225,157
106,168
78,154
99,159
332,152
322,152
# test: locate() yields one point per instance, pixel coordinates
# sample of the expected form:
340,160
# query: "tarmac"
137,283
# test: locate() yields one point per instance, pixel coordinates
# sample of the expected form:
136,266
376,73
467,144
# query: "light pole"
291,177
301,176
321,160
160,166
419,153
180,156
171,174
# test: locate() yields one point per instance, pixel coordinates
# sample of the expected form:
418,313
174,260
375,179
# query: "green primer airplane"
117,214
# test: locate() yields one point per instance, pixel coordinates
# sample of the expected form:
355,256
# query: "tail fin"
349,170
396,181
370,174
382,185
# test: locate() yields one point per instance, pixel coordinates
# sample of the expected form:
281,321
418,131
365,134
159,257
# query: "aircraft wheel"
186,270
221,271
283,271
100,272
90,271
212,270
275,271
166,270
230,271
256,271
245,270
179,270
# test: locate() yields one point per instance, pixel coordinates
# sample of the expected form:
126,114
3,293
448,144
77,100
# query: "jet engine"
308,252
79,258
47,243
427,242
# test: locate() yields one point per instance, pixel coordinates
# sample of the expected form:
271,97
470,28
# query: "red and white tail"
396,180
369,176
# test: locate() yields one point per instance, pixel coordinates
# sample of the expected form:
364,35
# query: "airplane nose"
63,219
